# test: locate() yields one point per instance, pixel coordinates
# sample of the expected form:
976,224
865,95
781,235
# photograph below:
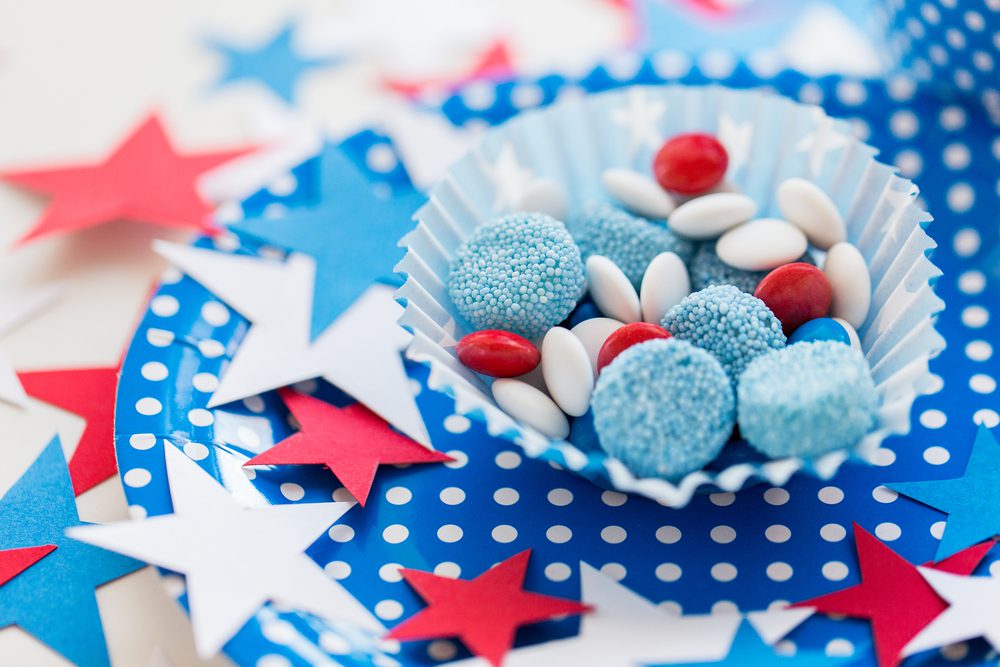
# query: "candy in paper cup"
949,44
769,139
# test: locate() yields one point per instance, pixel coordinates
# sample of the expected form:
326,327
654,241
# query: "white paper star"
15,309
427,143
359,352
510,179
773,624
737,138
974,611
640,116
824,138
625,630
234,558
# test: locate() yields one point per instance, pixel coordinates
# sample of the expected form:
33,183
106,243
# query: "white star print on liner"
234,558
359,352
640,116
625,630
974,611
510,179
825,137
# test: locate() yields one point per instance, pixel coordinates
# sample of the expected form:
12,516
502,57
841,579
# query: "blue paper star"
350,233
53,600
972,501
275,64
749,649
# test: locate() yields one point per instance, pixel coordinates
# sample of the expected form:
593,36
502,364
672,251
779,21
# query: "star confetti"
359,353
352,442
626,630
749,648
971,501
89,393
345,233
493,62
276,65
974,611
144,180
892,594
234,558
484,612
15,561
16,307
52,596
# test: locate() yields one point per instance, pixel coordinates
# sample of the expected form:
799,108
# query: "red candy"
499,354
626,337
691,163
795,293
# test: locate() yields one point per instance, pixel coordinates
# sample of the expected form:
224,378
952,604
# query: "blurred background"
76,77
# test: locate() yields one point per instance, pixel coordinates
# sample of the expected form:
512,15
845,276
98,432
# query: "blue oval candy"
822,328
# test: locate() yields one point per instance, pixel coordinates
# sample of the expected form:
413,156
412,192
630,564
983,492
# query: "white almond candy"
847,271
567,371
592,333
664,284
761,245
806,206
526,404
544,195
611,290
637,192
709,216
851,333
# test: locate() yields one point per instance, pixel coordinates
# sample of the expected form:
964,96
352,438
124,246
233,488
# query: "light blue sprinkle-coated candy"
628,241
522,273
822,328
664,407
734,326
806,400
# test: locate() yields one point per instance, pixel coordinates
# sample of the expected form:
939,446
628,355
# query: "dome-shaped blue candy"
806,400
522,273
628,241
664,407
822,328
734,326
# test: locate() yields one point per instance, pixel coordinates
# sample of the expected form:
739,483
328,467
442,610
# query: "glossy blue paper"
666,555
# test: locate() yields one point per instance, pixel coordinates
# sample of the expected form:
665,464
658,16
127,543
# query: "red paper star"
352,442
892,594
89,393
485,612
15,561
144,180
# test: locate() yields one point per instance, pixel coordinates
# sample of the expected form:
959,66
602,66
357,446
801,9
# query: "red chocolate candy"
626,337
499,354
795,293
691,163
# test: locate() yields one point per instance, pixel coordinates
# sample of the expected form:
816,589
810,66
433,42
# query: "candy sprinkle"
628,241
522,273
726,321
664,407
806,400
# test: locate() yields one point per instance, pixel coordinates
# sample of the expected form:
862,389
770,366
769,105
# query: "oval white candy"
851,333
611,290
805,205
847,271
526,404
709,216
592,333
761,245
567,371
664,284
637,192
544,195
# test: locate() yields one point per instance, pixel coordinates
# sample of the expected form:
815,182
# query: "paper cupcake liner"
949,44
770,138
